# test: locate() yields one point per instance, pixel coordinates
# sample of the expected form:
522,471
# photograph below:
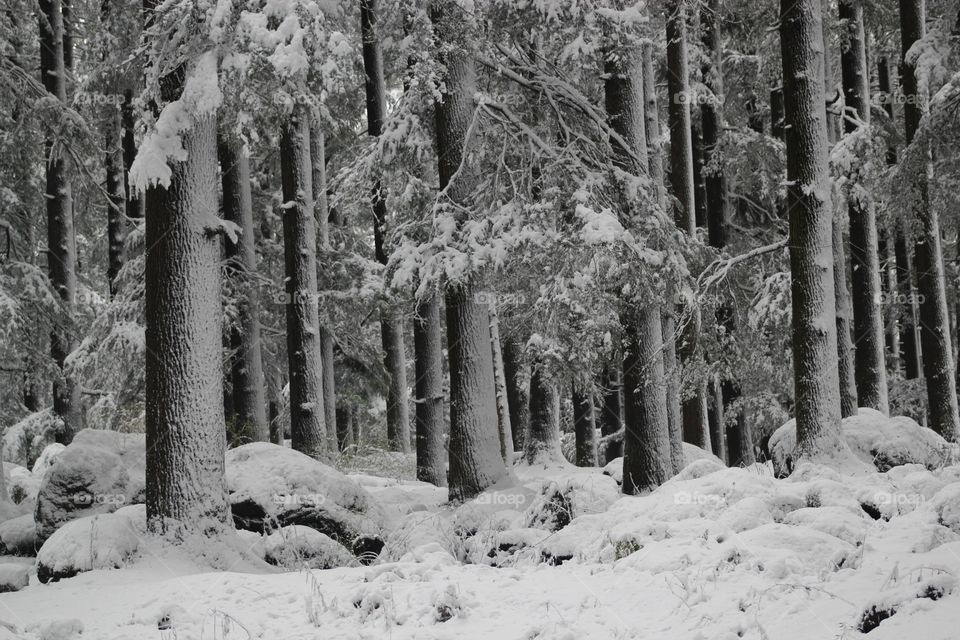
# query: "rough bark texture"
542,444
910,321
938,365
584,428
647,459
885,246
816,381
517,392
500,379
55,52
870,367
391,323
428,361
186,437
307,428
246,370
474,448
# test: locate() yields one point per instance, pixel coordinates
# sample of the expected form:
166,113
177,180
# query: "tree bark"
542,444
499,377
55,52
474,448
870,367
816,381
518,397
134,203
186,437
116,197
938,366
246,370
611,409
584,428
307,415
428,361
391,323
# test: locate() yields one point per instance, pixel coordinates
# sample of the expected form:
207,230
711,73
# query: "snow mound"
18,537
875,439
99,472
702,461
104,541
24,441
14,577
22,485
559,501
47,458
297,546
271,486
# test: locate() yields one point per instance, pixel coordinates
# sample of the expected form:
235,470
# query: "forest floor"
713,554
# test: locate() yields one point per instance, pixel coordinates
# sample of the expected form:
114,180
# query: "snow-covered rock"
559,501
99,472
22,485
47,458
271,486
874,439
298,546
18,537
104,541
14,577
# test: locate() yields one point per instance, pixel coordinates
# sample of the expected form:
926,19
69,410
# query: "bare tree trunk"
474,448
499,377
611,410
249,384
816,380
134,203
346,436
307,415
542,444
870,367
517,392
651,125
938,366
584,428
391,323
428,350
116,196
186,437
55,52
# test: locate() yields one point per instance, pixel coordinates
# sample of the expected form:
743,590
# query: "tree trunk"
61,238
249,384
611,410
844,314
816,381
542,444
391,323
699,188
584,428
322,215
938,366
428,361
134,203
517,392
647,455
870,367
307,415
186,437
474,448
345,427
499,377
116,197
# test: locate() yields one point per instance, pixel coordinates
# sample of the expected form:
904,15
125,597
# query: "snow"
93,542
13,577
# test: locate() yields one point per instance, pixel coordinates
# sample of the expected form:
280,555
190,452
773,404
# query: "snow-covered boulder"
297,546
561,500
104,541
18,537
14,577
22,485
874,439
99,472
271,486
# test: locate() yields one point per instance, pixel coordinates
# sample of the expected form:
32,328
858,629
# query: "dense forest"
388,292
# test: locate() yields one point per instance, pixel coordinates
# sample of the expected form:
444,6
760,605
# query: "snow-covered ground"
713,554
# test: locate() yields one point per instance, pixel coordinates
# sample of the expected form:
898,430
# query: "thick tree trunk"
500,379
816,381
938,365
307,415
870,367
322,214
846,368
428,361
518,397
584,428
55,53
249,384
474,448
391,323
186,437
647,455
542,444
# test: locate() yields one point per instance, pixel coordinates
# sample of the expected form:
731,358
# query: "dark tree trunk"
816,380
116,196
611,409
346,436
55,55
246,370
776,113
391,323
474,448
699,188
128,122
186,436
307,415
870,367
907,297
938,366
428,349
518,397
584,428
542,444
